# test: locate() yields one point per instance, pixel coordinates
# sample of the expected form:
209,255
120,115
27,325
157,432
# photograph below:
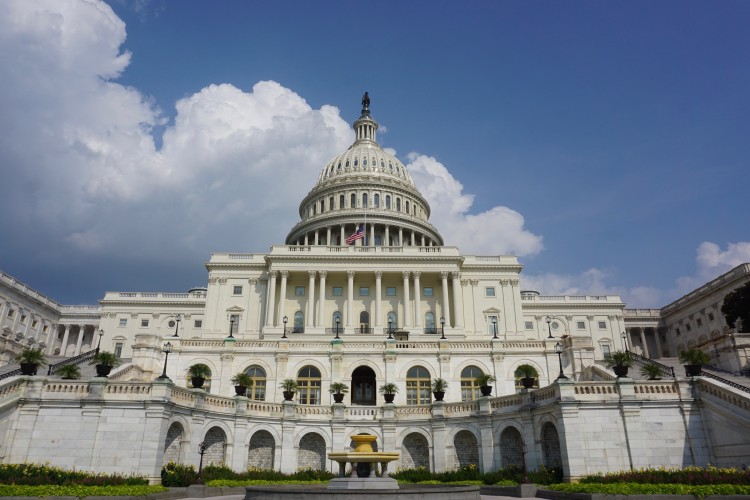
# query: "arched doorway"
415,452
261,450
173,444
364,385
312,452
551,446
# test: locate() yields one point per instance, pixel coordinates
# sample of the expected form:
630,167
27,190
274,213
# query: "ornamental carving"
222,281
312,274
253,281
227,357
389,357
505,282
337,358
188,316
498,357
378,274
155,315
350,275
474,282
323,274
444,358
405,274
464,282
456,275
212,281
444,275
284,274
134,315
282,356
514,282
417,274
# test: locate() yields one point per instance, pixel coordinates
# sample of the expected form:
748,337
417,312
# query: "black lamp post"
524,450
442,328
232,321
494,328
338,322
390,328
285,320
166,350
559,350
549,328
98,345
202,451
177,320
624,340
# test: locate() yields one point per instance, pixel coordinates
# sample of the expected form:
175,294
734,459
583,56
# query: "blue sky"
605,143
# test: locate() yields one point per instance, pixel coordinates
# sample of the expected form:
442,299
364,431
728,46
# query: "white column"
659,351
343,237
643,342
328,236
3,311
446,300
387,236
310,315
316,237
282,298
26,329
271,299
51,337
306,240
407,303
64,344
457,306
400,236
371,242
322,300
17,319
378,301
79,342
417,300
350,299
413,241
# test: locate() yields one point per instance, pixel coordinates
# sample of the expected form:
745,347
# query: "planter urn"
338,397
389,397
28,369
240,390
528,382
288,395
438,395
197,382
693,370
103,370
620,371
486,390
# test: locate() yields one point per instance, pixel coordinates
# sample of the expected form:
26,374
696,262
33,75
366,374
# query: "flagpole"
365,225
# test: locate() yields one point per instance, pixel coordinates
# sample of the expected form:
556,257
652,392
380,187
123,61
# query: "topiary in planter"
389,391
198,374
30,360
483,381
694,360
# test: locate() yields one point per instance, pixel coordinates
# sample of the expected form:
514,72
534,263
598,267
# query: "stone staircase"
87,371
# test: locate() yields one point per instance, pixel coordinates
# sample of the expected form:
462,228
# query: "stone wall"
415,452
312,452
261,451
173,443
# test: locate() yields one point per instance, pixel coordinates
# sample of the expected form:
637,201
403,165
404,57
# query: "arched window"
398,204
392,320
341,202
388,201
338,168
258,390
376,200
322,206
407,206
299,322
418,386
330,203
365,200
469,388
308,386
353,201
429,322
517,375
337,316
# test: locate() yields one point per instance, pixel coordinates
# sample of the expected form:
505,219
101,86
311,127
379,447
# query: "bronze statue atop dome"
365,105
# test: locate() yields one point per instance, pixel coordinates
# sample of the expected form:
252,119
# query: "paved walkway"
241,497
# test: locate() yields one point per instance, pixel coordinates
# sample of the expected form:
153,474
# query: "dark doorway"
363,383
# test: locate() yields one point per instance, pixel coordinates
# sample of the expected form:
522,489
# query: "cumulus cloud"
710,261
499,230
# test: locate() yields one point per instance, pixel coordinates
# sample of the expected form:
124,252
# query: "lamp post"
177,320
624,340
166,350
549,328
202,451
390,328
442,328
338,322
98,345
285,320
232,321
559,350
494,328
524,450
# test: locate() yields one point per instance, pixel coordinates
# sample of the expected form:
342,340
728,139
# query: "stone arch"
466,449
294,370
424,363
511,447
216,446
261,450
415,451
173,443
311,453
551,445
354,364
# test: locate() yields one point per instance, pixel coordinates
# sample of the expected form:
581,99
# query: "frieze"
282,356
444,358
227,357
389,357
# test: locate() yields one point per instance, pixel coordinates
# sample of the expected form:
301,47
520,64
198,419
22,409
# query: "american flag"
359,233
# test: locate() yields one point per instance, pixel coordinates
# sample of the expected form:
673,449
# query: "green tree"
737,307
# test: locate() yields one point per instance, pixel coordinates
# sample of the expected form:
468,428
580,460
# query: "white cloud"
499,230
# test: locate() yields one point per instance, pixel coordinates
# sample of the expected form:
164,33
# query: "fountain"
363,473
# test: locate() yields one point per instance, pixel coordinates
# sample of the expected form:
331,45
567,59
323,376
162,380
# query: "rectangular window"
605,350
364,291
198,323
118,349
34,323
144,323
581,325
699,322
390,291
299,291
492,325
489,291
123,322
11,312
428,291
237,290
529,325
23,318
687,327
710,316
338,291
602,325
234,323
677,331
45,329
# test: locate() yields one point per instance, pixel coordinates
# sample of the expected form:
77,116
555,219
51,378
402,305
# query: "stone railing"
411,411
316,411
731,396
264,409
462,408
655,389
363,413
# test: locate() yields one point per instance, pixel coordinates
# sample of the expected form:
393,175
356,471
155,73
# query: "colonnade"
641,331
413,317
27,325
82,330
376,235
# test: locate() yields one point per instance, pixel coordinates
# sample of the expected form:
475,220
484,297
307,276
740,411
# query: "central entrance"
363,382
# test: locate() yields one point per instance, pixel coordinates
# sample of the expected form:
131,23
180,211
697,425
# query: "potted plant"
338,389
439,385
241,382
651,371
619,361
528,375
483,381
104,361
30,360
289,386
694,360
389,391
69,372
198,374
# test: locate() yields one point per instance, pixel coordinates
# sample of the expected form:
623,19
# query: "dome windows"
388,201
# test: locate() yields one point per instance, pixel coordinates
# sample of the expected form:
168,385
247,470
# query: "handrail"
742,388
11,373
75,360
643,360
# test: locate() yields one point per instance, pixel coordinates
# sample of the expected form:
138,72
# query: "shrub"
652,371
338,388
243,379
652,489
199,370
389,388
174,474
618,358
37,474
439,385
32,357
72,372
688,475
484,379
178,475
527,371
105,358
694,356
51,490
